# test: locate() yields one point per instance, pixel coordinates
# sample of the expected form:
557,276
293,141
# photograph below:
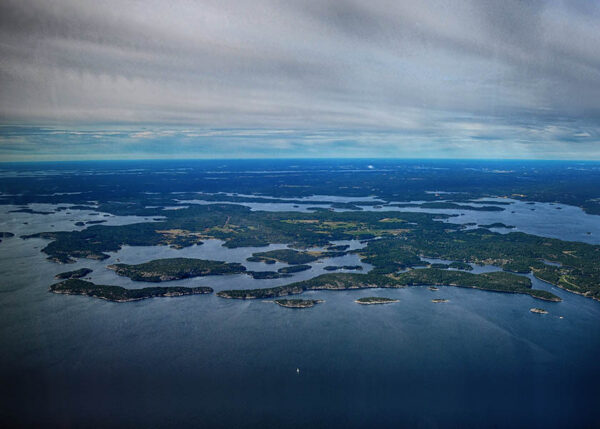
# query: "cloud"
469,72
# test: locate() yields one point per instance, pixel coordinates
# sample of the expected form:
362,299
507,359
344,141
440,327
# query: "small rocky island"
343,267
497,225
297,303
375,300
293,269
77,274
538,310
439,300
120,294
265,275
4,234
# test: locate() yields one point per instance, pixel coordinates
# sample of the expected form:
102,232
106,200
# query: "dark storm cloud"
452,76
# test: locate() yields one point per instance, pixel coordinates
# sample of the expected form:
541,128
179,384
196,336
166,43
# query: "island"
120,294
497,225
538,311
338,247
82,272
297,303
460,266
294,269
5,235
439,265
343,267
439,300
264,275
288,256
498,281
160,270
375,300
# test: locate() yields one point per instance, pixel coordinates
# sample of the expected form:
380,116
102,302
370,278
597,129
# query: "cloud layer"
448,78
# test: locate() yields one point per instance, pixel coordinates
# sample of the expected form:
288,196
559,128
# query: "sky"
115,79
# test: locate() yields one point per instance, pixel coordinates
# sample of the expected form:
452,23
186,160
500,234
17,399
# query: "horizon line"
299,159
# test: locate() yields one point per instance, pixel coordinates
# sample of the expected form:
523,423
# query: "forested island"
288,256
293,269
161,270
343,267
5,234
495,282
497,225
82,272
297,303
120,294
375,300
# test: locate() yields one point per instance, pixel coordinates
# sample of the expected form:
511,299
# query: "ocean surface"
482,359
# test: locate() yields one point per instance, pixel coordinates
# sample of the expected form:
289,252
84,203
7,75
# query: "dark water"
480,360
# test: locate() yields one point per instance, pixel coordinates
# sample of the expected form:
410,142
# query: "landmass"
288,256
439,300
297,303
375,300
161,270
5,235
461,266
82,272
343,267
497,225
294,269
538,310
338,247
263,275
439,265
393,244
120,294
494,282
